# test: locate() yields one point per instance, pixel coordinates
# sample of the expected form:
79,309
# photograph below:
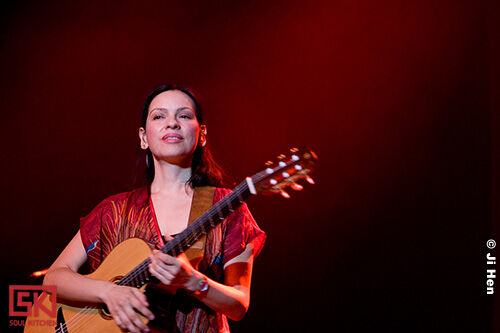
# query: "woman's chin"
176,159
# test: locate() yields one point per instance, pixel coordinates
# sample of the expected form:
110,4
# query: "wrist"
103,289
200,285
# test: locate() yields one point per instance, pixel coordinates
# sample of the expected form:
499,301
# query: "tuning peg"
296,187
284,194
281,156
310,180
269,163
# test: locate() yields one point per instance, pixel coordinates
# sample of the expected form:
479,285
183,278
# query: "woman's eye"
158,116
185,116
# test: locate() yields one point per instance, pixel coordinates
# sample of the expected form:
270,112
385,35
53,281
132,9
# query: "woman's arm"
121,301
231,298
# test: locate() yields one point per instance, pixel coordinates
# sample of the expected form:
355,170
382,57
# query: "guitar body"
73,316
126,262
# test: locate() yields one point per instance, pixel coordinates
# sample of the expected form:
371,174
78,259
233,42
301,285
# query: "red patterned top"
128,215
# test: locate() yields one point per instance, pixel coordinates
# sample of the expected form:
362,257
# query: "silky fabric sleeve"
90,232
241,229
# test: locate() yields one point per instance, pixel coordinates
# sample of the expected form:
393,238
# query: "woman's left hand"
175,272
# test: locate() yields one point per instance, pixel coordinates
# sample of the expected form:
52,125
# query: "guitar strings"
177,245
191,237
73,322
240,189
79,318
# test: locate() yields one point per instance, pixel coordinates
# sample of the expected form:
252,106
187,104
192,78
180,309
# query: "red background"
396,98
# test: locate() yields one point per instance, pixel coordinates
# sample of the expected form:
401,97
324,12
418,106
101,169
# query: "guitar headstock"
285,172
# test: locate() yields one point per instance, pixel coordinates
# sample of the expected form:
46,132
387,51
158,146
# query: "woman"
178,162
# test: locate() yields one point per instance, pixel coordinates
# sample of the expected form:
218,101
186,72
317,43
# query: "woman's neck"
170,178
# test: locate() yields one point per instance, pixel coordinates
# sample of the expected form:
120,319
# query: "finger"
134,322
141,296
116,313
161,274
143,304
164,258
118,320
122,320
161,268
139,306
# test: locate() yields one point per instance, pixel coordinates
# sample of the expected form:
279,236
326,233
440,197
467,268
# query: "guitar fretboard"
212,217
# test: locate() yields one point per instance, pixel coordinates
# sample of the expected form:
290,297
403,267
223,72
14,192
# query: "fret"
137,284
229,205
131,279
143,278
192,238
193,232
272,179
203,228
221,215
211,221
240,198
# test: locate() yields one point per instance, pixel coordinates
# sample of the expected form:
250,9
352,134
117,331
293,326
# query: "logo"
36,302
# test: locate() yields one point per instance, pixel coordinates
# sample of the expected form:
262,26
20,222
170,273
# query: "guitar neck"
211,218
272,179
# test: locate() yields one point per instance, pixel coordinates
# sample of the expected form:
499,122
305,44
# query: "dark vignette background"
396,97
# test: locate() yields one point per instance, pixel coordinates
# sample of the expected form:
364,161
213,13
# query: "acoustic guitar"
127,264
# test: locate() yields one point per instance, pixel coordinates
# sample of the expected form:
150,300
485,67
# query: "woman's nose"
172,123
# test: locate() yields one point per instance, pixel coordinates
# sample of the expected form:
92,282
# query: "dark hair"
204,170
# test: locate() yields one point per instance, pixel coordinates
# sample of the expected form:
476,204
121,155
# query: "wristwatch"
202,287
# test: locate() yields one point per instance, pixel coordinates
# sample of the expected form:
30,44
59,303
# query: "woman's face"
172,129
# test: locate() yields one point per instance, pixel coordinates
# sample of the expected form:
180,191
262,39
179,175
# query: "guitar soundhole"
104,309
116,278
105,312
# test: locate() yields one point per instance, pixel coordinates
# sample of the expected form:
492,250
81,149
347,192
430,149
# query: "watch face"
203,285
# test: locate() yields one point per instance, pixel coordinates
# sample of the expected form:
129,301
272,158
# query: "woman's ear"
143,139
203,135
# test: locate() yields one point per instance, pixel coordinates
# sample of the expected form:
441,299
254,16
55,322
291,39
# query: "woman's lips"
172,137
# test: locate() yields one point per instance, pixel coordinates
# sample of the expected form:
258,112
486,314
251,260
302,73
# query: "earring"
147,160
203,135
203,140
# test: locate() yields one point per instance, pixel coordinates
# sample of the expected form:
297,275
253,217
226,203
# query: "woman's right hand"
123,302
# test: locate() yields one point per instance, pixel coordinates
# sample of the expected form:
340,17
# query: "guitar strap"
203,199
